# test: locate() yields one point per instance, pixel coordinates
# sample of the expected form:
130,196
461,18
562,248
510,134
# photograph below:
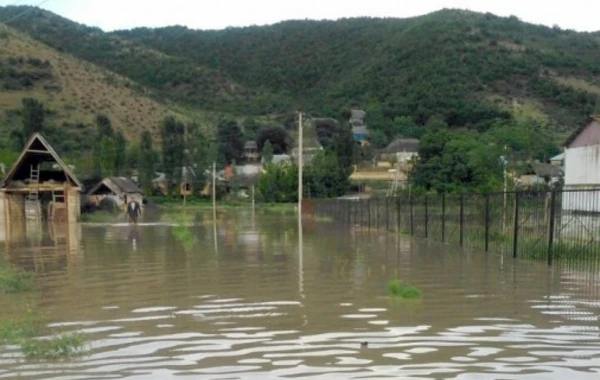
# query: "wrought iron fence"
550,225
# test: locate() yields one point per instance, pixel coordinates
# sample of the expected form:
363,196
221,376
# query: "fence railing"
556,224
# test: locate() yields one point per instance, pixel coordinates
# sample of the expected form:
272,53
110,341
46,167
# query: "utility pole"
300,154
214,191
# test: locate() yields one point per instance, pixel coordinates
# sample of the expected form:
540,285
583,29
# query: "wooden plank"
38,151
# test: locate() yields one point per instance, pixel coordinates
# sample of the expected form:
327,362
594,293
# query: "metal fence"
550,225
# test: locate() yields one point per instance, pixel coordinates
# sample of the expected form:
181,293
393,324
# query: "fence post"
487,222
412,216
443,217
551,226
462,219
426,218
516,226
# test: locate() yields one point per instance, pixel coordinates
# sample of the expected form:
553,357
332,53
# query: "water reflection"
257,297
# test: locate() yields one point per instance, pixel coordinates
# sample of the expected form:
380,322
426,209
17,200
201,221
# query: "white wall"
582,166
582,172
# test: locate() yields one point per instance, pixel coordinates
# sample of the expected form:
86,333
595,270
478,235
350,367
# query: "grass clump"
401,290
56,347
14,330
15,280
25,331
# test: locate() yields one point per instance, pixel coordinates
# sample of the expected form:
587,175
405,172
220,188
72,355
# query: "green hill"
468,67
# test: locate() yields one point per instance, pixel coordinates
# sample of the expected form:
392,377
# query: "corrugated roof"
543,169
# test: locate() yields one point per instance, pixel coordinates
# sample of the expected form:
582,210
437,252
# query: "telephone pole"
300,154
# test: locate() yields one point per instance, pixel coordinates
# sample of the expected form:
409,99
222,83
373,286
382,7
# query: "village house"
119,189
39,186
539,173
359,129
187,179
582,168
251,153
400,151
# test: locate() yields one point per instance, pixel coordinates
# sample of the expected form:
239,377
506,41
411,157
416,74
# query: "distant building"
558,160
400,150
582,168
119,189
251,153
357,123
539,173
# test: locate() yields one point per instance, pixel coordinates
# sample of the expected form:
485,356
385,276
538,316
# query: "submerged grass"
15,280
97,217
25,330
57,347
401,290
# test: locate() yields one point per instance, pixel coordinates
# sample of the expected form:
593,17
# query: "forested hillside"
469,68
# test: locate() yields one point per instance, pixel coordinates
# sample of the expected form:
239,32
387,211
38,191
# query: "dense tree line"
448,63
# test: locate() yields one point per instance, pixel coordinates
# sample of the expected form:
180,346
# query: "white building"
582,168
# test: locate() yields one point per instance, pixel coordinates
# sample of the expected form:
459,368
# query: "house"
251,153
400,151
359,129
187,179
558,160
120,189
582,168
280,158
39,186
539,173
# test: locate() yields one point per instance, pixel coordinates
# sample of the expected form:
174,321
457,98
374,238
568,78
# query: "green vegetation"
56,347
97,217
25,331
15,280
473,87
401,290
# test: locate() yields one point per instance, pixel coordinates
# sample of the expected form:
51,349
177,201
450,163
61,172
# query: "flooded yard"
254,304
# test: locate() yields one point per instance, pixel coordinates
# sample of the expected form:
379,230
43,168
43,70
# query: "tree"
277,136
104,126
120,153
324,178
173,145
279,183
107,153
251,128
32,117
231,141
201,152
147,158
267,152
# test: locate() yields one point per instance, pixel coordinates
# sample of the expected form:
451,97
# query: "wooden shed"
40,186
120,189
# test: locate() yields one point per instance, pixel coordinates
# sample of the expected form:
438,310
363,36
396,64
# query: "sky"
580,15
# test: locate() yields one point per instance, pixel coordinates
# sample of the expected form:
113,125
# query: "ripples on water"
253,307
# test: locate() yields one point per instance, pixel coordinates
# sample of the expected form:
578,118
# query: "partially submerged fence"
557,224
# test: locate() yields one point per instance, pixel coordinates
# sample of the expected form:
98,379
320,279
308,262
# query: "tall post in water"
516,226
300,158
551,226
487,222
214,191
461,222
426,217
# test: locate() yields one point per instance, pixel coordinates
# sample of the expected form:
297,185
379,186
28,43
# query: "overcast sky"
581,15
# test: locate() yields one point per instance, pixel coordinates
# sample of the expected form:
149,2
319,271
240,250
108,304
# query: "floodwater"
254,304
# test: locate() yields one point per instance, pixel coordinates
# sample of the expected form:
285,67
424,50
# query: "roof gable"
587,134
37,150
116,185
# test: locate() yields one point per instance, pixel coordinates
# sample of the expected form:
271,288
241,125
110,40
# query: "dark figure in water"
133,211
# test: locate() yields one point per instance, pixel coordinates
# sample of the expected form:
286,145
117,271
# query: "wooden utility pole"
214,191
300,157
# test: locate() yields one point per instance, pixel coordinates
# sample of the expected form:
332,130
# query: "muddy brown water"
250,305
